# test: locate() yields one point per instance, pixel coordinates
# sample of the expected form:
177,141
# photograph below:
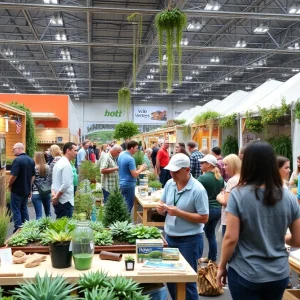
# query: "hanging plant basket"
124,99
137,22
172,22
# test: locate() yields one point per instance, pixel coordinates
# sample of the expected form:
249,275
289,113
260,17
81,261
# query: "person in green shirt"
75,175
213,184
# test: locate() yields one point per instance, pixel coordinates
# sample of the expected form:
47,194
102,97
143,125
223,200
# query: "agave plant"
31,224
44,223
100,294
93,280
124,288
97,226
119,230
32,235
56,237
45,288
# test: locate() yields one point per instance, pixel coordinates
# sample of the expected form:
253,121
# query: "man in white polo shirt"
185,204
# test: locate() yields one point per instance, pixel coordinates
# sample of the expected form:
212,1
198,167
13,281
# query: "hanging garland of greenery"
172,22
136,19
297,110
230,146
273,114
30,129
204,117
282,145
228,121
253,124
124,99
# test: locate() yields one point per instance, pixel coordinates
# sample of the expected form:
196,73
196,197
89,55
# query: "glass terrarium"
83,246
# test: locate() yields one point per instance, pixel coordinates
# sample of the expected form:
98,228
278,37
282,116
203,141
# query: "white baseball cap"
210,159
177,162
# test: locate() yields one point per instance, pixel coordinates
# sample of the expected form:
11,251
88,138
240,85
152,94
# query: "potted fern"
60,252
4,222
129,262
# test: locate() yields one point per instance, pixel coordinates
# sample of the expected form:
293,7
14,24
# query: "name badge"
170,220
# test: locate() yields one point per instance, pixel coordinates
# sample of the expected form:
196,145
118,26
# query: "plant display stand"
19,273
147,204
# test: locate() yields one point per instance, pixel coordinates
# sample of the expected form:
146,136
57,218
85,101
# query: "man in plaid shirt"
110,171
195,156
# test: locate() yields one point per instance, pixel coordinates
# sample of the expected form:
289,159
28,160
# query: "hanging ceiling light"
261,29
248,88
188,78
56,20
51,1
212,5
26,73
194,26
5,84
295,70
154,70
215,59
241,43
294,47
150,77
21,67
228,78
294,9
184,42
60,36
165,58
203,67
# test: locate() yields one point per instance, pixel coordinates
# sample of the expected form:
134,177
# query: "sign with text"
149,114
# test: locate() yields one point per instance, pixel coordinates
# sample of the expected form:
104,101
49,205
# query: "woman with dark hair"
259,211
180,148
284,169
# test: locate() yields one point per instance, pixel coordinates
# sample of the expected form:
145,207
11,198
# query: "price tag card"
6,257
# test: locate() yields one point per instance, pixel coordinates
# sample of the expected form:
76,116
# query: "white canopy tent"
290,90
254,96
183,115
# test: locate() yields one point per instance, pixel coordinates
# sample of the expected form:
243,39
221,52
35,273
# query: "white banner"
150,114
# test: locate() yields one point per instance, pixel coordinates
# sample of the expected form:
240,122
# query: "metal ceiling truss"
95,57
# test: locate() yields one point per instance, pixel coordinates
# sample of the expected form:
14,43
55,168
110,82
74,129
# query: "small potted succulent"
129,262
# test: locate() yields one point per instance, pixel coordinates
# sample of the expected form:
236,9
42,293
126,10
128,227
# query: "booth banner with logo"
150,114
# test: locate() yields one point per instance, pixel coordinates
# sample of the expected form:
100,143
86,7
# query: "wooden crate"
291,295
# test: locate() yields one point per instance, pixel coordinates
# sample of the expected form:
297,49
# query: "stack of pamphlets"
165,267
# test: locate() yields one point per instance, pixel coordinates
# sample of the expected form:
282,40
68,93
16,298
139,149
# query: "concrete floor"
225,296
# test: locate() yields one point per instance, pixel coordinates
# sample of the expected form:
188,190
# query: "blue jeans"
105,195
39,200
128,193
63,210
191,248
241,288
18,207
209,229
164,176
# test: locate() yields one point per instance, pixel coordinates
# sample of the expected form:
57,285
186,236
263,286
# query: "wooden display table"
294,264
113,269
147,204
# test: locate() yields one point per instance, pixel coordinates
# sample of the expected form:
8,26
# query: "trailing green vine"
180,121
186,130
253,124
297,110
205,116
230,146
273,114
172,22
228,121
30,129
136,19
124,99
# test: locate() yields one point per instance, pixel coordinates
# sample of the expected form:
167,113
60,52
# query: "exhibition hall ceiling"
84,48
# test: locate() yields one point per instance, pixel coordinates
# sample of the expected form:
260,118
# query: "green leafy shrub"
88,170
103,238
204,117
297,110
143,232
115,209
119,230
152,177
139,158
155,184
4,223
126,130
253,124
282,145
30,129
228,121
230,146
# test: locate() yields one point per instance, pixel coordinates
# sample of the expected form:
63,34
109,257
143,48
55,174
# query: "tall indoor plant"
170,22
126,130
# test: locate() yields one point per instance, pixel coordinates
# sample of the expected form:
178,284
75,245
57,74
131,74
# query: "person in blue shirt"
128,172
185,204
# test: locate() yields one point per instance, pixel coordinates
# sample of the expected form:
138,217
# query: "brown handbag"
207,281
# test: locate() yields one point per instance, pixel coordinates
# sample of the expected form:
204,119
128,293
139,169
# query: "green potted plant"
4,223
126,130
60,252
9,162
45,287
155,184
170,23
119,230
129,262
89,170
100,294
